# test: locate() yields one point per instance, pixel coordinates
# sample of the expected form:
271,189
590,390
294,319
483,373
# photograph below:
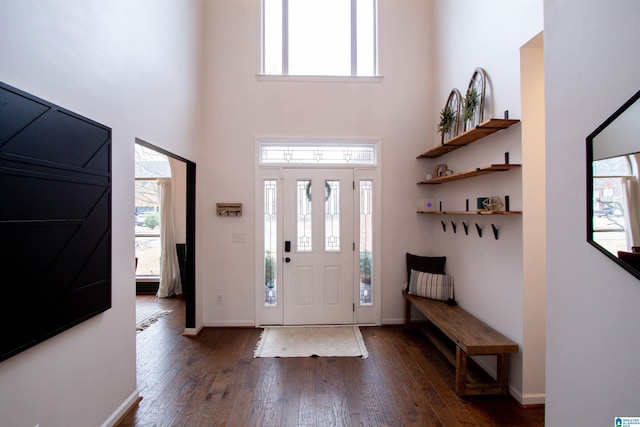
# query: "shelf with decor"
485,128
484,170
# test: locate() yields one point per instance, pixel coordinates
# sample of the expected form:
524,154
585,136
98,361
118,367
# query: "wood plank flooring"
213,380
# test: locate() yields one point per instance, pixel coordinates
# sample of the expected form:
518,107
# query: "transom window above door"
319,37
310,152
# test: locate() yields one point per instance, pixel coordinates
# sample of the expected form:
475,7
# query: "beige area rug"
145,318
306,341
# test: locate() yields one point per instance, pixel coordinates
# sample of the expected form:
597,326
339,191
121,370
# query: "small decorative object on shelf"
428,205
449,125
441,170
492,204
469,106
480,203
473,103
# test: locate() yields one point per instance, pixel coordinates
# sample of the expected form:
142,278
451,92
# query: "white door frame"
369,314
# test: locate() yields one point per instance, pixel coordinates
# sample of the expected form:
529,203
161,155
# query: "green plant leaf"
447,118
470,103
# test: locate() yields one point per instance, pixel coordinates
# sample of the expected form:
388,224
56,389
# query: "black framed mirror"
613,186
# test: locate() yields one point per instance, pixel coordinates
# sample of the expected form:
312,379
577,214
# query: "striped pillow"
429,285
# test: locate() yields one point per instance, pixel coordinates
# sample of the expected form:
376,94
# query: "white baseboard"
393,321
529,399
523,399
192,332
231,324
129,403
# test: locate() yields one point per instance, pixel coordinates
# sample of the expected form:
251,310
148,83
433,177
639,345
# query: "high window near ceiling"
319,37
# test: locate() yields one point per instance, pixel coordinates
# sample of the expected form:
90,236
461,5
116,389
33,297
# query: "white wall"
239,108
133,66
534,222
488,272
179,185
592,63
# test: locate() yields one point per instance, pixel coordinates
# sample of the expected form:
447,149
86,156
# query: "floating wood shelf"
483,129
476,212
471,173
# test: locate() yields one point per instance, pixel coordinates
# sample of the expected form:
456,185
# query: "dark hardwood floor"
213,380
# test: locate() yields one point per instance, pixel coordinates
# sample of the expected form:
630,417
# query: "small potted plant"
447,120
469,105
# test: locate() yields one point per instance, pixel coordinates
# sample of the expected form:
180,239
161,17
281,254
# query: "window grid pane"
366,26
303,238
148,256
270,243
608,214
366,242
332,216
313,50
272,36
361,154
147,228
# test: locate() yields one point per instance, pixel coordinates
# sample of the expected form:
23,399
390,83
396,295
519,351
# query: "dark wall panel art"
55,220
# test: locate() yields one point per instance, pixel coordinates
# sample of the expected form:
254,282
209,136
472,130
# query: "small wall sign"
229,209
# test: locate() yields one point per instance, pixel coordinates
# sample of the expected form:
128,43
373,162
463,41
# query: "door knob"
287,259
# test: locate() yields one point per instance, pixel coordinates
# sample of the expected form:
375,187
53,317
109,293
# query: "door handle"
287,259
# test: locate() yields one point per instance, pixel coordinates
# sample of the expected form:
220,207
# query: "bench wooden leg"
503,372
461,371
407,314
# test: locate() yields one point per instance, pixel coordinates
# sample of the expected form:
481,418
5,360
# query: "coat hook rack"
479,230
495,231
444,226
453,226
466,228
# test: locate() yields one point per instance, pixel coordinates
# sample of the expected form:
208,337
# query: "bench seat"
471,337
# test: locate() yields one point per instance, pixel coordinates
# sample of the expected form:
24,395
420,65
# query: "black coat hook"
479,230
453,226
495,231
466,228
444,226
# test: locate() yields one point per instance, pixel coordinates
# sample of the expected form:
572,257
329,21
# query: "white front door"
319,256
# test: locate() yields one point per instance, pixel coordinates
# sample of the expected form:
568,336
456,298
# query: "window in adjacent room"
150,166
614,193
319,37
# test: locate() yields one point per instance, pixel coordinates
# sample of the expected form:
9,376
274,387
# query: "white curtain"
631,206
170,283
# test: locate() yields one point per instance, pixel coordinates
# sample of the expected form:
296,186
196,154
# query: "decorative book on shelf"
483,129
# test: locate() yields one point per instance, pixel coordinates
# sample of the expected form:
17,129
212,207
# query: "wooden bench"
470,337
